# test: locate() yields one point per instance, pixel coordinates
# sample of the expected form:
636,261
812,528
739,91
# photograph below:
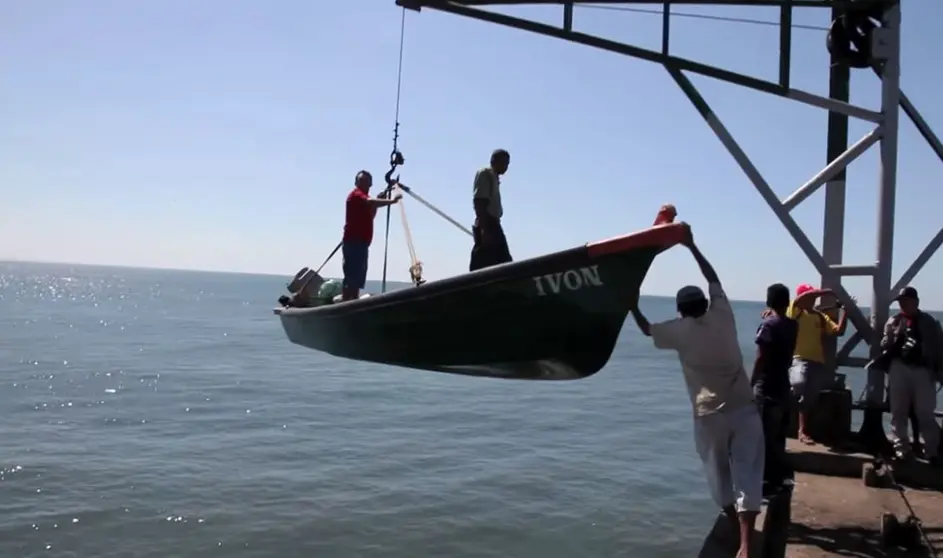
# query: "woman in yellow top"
808,375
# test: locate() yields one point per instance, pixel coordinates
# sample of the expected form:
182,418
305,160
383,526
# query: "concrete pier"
832,512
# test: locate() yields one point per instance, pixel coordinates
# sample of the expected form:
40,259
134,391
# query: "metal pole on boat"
435,209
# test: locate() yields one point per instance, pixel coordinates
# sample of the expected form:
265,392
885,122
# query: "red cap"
804,288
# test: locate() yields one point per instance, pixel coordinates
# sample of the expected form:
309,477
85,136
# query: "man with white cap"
728,431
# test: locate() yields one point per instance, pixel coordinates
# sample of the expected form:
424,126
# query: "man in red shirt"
358,233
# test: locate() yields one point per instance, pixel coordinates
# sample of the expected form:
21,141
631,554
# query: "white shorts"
731,448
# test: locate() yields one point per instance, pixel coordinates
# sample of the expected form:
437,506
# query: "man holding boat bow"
728,432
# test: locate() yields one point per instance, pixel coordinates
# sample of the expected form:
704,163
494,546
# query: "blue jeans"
356,257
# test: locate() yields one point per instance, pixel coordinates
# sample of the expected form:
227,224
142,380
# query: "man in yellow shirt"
808,374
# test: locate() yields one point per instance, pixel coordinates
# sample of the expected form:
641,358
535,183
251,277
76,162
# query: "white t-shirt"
488,187
710,356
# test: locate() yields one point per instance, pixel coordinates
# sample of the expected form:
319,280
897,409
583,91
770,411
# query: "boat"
552,317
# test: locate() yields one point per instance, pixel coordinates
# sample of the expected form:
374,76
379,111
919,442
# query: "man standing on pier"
809,375
727,429
775,345
491,246
913,345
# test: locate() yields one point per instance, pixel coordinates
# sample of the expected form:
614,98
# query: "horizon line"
270,274
232,272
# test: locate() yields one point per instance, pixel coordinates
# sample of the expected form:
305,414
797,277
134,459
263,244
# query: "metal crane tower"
864,34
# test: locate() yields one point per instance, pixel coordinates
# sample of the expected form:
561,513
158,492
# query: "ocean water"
163,413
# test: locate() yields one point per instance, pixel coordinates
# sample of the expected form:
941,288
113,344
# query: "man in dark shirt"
775,345
913,348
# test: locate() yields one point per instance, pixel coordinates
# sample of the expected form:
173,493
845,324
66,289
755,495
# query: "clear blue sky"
225,136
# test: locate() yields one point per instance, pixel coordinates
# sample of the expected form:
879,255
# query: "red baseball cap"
804,288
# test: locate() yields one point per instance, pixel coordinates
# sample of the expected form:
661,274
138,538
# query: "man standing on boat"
728,432
358,233
490,245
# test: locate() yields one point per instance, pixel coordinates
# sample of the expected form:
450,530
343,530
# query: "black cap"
907,292
777,295
691,293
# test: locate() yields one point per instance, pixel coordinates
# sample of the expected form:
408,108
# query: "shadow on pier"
853,541
839,497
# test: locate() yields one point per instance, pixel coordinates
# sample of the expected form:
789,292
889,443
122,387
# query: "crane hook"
396,159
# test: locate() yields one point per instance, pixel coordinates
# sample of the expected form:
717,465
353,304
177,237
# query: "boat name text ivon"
571,280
